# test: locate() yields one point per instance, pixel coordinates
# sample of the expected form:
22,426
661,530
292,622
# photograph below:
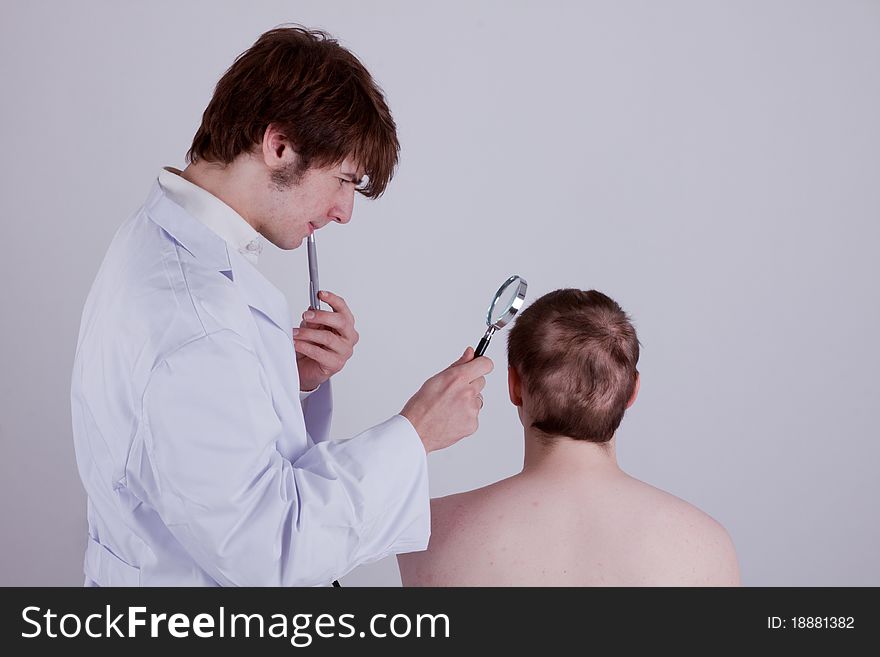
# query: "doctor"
201,424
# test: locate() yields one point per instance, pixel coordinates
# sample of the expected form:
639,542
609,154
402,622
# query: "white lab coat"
201,463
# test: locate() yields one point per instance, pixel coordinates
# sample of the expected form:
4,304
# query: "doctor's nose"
341,217
341,212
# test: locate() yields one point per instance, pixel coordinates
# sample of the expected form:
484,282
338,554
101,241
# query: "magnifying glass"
505,304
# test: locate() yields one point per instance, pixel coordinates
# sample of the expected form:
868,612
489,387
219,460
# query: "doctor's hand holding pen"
447,406
324,341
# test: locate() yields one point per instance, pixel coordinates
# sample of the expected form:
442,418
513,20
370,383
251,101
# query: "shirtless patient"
572,517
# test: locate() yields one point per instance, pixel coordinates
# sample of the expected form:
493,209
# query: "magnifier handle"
484,342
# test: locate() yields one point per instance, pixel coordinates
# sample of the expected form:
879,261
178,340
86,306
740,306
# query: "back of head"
576,354
316,92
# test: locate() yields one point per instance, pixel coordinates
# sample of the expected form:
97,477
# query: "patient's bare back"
593,529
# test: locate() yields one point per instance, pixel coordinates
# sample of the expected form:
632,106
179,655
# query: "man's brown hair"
576,353
316,92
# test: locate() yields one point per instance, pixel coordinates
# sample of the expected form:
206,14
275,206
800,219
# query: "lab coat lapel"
212,250
203,243
260,294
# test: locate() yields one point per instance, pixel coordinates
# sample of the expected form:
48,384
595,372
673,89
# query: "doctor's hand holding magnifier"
505,304
447,406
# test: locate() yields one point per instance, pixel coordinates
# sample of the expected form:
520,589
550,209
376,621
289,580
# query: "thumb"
465,357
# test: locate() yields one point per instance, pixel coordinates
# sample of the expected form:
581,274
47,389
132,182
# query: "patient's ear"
514,387
632,399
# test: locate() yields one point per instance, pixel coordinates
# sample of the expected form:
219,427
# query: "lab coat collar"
213,213
212,250
204,244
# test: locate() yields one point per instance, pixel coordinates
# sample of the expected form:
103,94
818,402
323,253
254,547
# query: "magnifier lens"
504,301
505,304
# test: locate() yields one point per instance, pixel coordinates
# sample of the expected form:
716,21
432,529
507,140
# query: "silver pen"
313,273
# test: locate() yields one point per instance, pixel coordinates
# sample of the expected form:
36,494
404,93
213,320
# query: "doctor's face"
298,207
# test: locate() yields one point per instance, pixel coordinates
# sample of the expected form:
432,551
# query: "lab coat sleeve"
318,410
247,515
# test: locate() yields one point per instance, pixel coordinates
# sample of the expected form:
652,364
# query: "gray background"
713,166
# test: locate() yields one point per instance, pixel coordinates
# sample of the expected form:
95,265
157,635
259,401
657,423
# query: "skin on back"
544,527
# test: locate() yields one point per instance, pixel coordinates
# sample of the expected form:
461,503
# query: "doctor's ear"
277,149
514,386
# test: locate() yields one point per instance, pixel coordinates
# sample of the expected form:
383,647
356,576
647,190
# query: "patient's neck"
561,454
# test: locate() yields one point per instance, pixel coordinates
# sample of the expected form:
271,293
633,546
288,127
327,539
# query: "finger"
479,366
306,324
328,339
478,384
465,357
337,303
339,323
327,360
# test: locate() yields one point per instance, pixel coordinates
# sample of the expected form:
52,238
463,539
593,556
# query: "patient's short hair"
576,353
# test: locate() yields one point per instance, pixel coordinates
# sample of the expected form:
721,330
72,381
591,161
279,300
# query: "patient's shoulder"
459,525
454,514
690,547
